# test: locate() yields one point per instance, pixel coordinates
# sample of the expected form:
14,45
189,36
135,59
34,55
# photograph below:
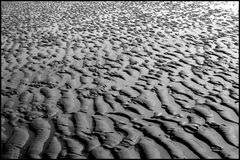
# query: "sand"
119,80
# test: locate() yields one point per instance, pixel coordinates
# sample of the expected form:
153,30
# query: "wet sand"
119,80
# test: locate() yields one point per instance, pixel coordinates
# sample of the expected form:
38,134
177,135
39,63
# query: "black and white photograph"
119,79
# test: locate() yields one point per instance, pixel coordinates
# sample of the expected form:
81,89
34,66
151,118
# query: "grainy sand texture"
119,80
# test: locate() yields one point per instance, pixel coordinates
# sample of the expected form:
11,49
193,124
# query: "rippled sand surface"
119,80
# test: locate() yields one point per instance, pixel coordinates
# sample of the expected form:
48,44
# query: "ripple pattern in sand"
119,80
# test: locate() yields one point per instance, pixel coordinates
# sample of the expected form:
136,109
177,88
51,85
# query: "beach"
119,79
